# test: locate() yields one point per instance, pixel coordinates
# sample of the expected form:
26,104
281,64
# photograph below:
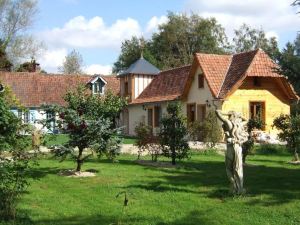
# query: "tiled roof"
236,71
141,66
166,86
215,68
34,89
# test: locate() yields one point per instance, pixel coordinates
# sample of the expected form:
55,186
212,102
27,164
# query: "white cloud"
98,69
154,22
52,59
275,16
80,32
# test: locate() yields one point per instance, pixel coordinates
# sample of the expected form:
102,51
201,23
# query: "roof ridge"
231,56
246,52
179,67
214,54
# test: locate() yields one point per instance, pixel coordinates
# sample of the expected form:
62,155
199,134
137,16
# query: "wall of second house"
139,113
269,92
199,96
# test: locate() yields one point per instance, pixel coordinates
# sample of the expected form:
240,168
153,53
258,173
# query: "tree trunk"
296,156
79,160
173,156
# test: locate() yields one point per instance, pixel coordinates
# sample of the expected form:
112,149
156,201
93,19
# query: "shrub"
195,130
247,146
212,132
289,127
270,149
146,141
173,133
13,180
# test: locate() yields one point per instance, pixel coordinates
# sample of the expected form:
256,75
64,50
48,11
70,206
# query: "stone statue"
235,133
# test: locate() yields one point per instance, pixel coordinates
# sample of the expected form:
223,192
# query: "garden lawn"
194,193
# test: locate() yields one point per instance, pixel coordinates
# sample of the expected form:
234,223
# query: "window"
98,87
256,82
257,110
201,113
157,116
126,88
26,117
150,117
200,80
191,112
20,113
49,115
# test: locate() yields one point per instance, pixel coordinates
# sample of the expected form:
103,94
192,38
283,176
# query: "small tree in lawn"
173,133
212,132
289,127
14,159
88,119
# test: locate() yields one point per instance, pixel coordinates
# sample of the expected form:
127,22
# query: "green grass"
129,140
60,139
194,193
56,139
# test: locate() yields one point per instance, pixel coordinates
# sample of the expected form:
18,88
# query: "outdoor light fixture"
144,107
207,104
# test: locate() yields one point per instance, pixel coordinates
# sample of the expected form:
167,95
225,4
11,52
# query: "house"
33,90
245,82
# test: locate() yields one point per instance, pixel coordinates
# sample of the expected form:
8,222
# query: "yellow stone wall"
276,102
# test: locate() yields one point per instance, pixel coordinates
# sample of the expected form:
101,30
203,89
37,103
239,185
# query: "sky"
97,28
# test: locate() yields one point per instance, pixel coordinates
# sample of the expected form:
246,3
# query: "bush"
173,133
212,132
270,149
13,180
146,141
289,127
247,146
195,130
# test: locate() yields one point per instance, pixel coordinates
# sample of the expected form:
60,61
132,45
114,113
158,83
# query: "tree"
173,133
30,67
289,127
247,38
88,119
72,64
131,50
177,40
13,179
16,17
5,64
212,132
289,62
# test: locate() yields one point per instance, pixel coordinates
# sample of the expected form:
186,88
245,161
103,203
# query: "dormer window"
98,85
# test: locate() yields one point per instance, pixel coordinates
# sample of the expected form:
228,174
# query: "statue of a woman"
234,128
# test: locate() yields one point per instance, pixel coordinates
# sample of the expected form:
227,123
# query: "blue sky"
96,28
